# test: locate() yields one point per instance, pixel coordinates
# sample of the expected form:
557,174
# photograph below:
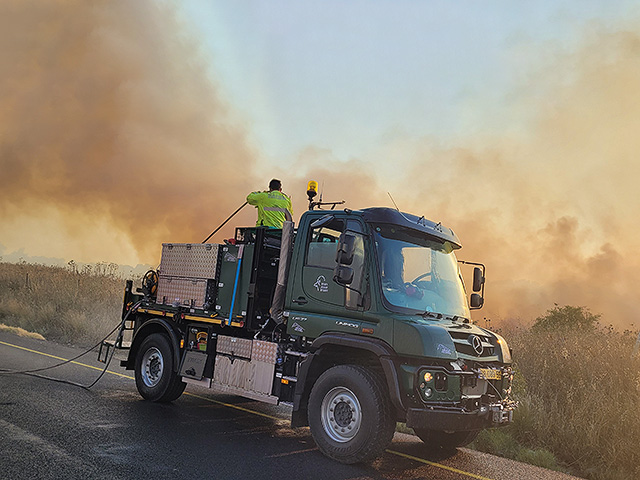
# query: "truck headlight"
504,348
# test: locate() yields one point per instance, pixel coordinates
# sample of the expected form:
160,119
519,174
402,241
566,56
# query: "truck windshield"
419,273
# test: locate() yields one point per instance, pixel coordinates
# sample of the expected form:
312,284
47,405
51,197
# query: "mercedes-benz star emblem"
476,343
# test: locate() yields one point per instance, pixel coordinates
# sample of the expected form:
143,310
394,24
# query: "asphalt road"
51,430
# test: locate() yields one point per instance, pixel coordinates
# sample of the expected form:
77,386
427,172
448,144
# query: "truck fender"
155,325
380,349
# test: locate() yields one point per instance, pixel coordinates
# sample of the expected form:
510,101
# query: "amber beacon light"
312,189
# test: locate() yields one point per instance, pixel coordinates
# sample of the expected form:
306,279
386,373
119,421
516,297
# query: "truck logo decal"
340,323
444,349
297,327
321,284
476,343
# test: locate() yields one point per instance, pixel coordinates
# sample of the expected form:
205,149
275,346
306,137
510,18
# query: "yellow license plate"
490,374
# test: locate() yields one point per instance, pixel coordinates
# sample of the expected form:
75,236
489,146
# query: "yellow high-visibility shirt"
272,207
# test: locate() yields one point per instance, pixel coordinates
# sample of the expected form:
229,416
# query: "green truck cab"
358,319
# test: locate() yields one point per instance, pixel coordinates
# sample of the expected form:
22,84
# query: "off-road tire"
350,414
155,378
437,439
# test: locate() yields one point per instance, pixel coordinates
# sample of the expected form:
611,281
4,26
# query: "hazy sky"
350,75
127,124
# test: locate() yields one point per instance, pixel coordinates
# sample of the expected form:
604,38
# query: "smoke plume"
108,111
552,211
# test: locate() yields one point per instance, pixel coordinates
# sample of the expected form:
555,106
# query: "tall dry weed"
62,304
580,399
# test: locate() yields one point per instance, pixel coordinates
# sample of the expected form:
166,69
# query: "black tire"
438,439
155,378
350,414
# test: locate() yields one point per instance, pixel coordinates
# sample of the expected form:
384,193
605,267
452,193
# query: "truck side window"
323,243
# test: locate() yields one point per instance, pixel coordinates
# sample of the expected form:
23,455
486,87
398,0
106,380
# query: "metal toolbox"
199,260
190,292
255,374
244,377
237,347
264,352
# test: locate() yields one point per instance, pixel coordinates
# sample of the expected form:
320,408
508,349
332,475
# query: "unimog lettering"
340,323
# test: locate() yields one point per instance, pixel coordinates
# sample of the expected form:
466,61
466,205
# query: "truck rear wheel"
155,378
445,440
350,414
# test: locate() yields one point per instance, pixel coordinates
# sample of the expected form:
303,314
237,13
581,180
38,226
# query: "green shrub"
567,318
497,442
539,457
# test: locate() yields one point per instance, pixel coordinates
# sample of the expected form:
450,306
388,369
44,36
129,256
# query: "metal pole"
225,222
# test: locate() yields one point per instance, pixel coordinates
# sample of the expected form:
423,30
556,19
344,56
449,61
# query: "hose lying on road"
33,372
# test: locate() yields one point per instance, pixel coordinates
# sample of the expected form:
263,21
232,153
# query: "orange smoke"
552,210
108,111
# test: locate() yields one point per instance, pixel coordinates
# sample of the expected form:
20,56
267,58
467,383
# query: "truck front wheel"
350,414
155,378
445,440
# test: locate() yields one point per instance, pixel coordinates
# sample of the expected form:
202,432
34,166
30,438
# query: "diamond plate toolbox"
199,260
238,347
264,352
191,292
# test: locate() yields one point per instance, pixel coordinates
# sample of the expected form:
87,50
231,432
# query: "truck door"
314,288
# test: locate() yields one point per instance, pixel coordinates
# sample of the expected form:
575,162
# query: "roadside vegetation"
67,305
578,382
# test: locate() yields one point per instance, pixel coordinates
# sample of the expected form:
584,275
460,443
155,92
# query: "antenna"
403,215
394,202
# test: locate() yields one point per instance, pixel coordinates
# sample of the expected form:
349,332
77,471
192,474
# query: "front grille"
463,347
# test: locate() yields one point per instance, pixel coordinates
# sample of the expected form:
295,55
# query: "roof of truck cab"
408,220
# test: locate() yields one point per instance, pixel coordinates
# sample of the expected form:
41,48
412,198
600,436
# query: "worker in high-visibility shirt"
274,207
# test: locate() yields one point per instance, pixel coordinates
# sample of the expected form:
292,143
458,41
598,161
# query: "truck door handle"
300,300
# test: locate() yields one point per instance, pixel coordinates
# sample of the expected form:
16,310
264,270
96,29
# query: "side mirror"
476,301
346,248
478,279
343,275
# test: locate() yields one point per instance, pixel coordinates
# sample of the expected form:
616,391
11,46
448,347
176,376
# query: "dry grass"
61,304
579,399
20,332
